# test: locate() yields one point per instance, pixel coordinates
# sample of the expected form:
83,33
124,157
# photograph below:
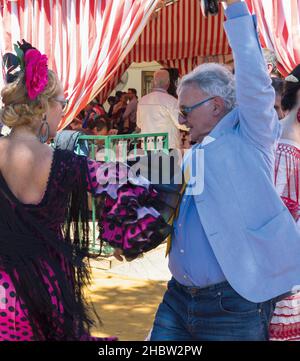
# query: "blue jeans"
215,313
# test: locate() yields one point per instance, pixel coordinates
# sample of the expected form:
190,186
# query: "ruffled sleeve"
133,215
287,168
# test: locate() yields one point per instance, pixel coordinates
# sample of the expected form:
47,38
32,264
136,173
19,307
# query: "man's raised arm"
255,95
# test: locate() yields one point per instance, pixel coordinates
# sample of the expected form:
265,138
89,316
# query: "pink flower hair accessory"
36,72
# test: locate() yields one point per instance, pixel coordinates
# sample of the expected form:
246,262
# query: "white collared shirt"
158,113
208,139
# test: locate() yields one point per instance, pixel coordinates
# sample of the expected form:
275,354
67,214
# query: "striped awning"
178,36
85,40
181,38
279,25
90,43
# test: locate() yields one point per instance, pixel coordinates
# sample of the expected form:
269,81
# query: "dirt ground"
126,305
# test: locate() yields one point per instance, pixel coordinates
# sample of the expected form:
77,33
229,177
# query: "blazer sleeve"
255,95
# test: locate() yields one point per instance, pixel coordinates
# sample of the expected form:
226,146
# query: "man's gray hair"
270,58
213,79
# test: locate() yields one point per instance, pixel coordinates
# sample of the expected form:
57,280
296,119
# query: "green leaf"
20,56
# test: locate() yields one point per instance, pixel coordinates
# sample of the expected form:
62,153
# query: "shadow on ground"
126,306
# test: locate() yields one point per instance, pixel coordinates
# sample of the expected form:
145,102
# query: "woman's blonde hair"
19,110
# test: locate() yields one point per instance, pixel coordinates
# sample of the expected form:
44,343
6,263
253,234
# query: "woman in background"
285,324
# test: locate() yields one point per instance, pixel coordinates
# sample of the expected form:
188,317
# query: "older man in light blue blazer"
235,247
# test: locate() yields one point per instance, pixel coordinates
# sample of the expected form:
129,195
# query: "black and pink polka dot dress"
14,325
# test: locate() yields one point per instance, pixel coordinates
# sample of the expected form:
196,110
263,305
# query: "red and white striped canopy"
85,40
180,37
90,43
279,25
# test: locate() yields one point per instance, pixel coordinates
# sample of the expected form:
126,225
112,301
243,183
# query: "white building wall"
135,77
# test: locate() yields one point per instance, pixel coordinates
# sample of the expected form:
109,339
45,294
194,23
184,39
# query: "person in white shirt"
158,111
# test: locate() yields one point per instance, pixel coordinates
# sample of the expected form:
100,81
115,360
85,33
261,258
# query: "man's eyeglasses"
63,102
184,111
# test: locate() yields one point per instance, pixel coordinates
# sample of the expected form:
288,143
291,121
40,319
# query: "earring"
44,137
298,115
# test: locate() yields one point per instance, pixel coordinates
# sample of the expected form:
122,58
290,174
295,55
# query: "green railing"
117,147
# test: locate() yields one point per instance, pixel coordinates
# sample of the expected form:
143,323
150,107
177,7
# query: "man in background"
158,111
271,61
130,113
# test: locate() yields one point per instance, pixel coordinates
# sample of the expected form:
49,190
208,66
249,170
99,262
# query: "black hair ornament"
12,64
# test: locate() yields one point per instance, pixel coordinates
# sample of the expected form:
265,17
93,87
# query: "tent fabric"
188,64
85,41
178,36
279,25
90,44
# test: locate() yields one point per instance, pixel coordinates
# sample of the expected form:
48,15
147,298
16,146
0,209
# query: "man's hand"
228,2
118,254
210,7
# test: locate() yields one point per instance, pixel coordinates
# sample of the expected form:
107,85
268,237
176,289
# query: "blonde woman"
44,239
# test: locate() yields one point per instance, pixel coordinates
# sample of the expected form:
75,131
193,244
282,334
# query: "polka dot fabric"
14,325
128,218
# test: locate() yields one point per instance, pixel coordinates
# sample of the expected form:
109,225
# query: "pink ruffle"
128,214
